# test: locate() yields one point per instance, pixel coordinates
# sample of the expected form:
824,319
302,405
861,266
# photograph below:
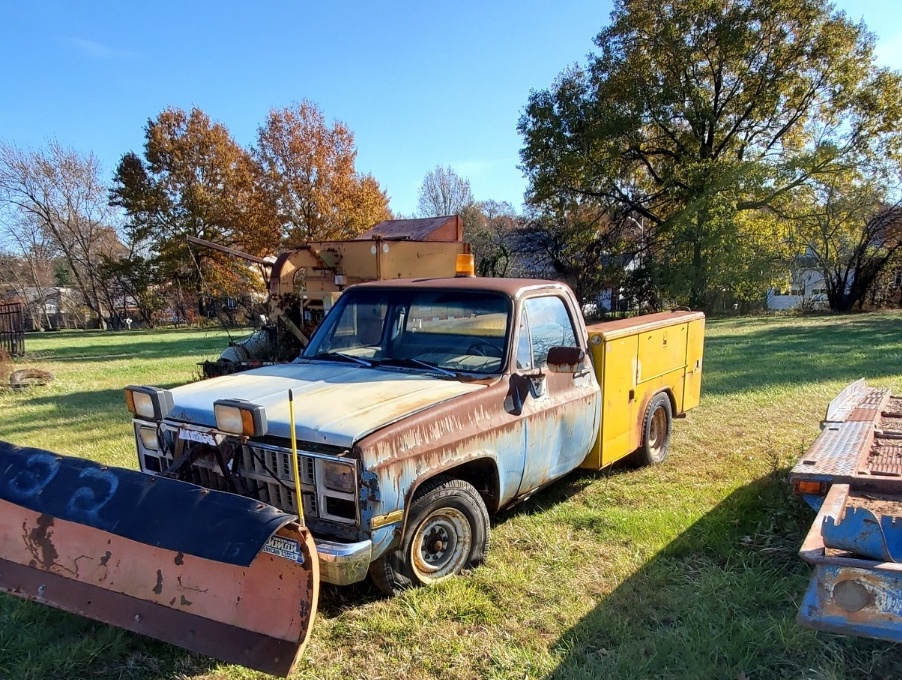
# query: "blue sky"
419,83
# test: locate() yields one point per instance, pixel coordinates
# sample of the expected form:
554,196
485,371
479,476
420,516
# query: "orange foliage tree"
309,174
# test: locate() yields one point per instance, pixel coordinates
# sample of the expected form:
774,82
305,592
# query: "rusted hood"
334,404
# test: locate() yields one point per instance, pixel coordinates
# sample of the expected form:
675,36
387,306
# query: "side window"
524,347
549,326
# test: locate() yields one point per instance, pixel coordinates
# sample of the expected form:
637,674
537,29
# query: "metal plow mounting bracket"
212,572
861,532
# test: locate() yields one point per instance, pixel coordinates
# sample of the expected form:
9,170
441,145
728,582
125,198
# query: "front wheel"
656,429
447,532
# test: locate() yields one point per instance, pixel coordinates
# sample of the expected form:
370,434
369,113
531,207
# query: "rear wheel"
447,532
656,430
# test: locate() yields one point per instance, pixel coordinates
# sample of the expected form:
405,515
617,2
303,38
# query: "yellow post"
294,458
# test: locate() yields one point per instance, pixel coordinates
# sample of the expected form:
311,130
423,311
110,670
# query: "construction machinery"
304,283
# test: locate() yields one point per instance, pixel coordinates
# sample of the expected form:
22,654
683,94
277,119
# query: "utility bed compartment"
635,359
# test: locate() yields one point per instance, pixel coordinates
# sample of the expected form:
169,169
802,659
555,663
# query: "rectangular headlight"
148,437
150,403
238,416
339,476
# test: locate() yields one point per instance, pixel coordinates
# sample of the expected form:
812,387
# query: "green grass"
685,570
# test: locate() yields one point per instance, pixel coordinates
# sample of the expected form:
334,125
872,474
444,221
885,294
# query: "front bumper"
343,563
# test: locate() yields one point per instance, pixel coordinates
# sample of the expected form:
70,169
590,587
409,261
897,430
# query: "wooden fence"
12,328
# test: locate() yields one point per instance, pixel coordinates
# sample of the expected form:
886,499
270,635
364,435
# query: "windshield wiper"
342,355
407,361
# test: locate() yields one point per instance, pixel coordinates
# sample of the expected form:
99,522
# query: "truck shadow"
719,601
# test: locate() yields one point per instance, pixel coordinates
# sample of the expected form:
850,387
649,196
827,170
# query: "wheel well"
482,473
670,397
669,393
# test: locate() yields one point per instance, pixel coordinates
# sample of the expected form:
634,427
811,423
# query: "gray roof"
420,229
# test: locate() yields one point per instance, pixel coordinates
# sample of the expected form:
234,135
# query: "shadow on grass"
108,405
720,602
38,643
798,351
150,345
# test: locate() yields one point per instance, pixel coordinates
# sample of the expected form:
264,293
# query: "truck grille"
266,472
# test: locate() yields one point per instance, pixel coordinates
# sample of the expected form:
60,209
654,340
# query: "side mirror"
566,360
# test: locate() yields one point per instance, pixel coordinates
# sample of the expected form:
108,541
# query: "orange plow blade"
215,573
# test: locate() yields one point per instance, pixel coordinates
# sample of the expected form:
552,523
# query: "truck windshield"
450,331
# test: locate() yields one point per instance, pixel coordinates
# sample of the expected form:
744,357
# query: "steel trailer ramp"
213,572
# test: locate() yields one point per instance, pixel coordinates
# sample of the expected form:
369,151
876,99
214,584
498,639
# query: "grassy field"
686,570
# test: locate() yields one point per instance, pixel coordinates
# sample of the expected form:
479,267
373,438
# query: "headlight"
237,416
150,403
149,438
339,476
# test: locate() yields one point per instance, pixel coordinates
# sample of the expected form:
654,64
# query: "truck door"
561,414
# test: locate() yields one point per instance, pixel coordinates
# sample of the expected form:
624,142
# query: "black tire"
447,532
656,430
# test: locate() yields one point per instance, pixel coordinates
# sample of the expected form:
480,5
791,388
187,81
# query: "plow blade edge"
213,572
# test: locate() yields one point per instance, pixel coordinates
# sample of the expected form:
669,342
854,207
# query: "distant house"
806,289
51,308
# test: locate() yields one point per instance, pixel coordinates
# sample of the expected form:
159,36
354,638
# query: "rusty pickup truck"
419,408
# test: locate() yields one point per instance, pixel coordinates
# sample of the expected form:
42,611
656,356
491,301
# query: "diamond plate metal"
835,454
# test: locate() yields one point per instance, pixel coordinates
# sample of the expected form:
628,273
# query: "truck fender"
472,470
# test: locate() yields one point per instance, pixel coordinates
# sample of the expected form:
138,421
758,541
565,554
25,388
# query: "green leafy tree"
851,232
572,242
694,112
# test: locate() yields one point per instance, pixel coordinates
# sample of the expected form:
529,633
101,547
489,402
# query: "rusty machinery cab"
304,283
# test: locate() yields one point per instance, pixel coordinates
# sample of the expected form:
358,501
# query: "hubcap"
441,545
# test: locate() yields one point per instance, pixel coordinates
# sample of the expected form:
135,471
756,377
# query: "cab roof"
508,286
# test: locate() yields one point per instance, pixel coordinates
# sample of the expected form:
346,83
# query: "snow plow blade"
213,572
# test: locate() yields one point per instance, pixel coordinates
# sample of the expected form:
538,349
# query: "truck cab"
421,407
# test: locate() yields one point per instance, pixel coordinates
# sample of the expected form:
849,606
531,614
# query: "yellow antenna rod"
294,458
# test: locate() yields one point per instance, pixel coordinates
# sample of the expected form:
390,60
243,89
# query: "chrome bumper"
343,563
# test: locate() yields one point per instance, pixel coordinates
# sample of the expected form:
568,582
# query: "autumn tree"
54,201
696,112
194,180
444,192
309,175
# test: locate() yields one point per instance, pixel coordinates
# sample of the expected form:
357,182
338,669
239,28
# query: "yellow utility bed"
635,359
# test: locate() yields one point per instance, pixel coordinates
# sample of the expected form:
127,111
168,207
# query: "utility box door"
661,351
615,368
692,387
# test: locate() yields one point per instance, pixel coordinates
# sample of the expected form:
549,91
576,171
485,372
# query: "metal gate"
12,328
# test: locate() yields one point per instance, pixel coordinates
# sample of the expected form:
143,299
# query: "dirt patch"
878,504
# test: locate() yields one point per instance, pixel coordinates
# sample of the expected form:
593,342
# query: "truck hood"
334,404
